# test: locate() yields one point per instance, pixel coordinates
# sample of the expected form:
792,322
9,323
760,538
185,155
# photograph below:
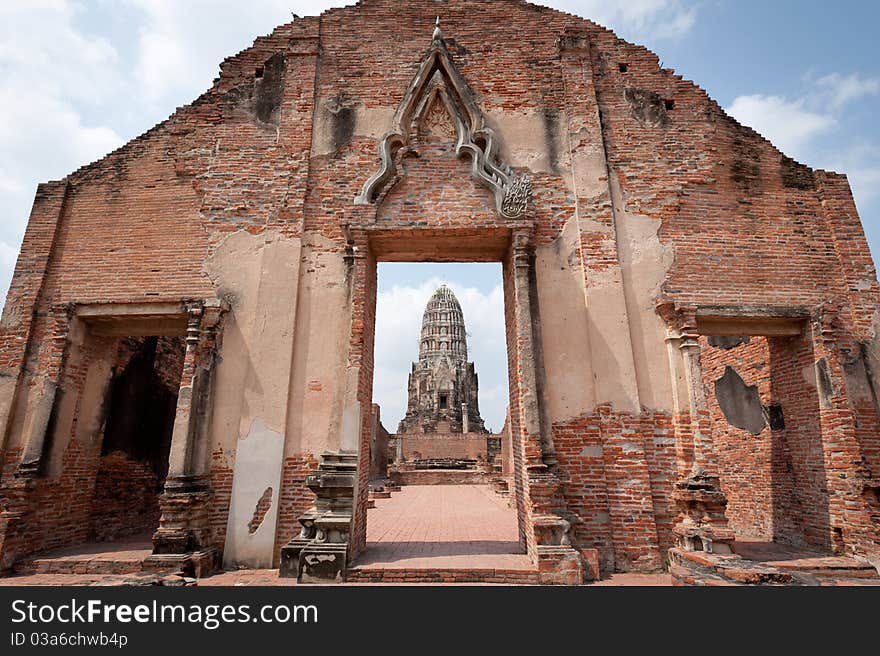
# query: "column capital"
203,318
523,247
681,324
824,319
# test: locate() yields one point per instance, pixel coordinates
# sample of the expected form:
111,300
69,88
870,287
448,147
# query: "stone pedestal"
290,553
183,539
702,524
559,563
319,554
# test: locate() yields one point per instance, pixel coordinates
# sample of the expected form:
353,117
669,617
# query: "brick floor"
121,556
443,527
421,527
654,579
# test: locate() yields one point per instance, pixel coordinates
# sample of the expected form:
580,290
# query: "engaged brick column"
849,480
702,522
183,536
21,480
550,520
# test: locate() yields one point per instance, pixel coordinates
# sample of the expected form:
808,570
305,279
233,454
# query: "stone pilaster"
183,537
702,521
558,562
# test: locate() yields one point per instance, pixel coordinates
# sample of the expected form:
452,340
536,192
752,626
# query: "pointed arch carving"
439,81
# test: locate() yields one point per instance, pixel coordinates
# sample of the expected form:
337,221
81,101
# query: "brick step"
442,575
832,567
440,477
700,568
75,565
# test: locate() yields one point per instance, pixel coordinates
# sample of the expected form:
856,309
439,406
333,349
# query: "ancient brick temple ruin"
692,316
442,438
442,387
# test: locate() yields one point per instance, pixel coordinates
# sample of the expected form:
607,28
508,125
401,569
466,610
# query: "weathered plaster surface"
321,353
369,122
645,262
527,141
587,160
257,467
569,384
610,342
259,276
39,420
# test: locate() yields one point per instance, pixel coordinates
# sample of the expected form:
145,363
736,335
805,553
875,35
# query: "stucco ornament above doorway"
438,85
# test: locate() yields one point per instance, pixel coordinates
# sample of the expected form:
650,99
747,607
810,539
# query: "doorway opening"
442,492
108,442
133,463
763,394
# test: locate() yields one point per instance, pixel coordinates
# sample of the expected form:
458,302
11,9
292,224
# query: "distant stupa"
443,384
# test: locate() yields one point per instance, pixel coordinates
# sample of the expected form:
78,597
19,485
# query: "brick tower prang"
443,384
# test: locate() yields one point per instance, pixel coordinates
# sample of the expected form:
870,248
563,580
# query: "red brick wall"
444,445
221,484
802,514
60,501
775,482
746,460
126,498
618,481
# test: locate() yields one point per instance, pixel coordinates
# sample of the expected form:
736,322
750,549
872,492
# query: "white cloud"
42,49
809,128
398,325
181,44
844,89
788,124
47,75
638,20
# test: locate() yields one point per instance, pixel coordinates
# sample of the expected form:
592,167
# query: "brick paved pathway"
420,527
443,526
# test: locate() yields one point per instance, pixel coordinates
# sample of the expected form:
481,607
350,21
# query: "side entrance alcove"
113,434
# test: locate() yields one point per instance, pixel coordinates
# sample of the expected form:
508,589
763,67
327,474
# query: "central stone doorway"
440,475
443,502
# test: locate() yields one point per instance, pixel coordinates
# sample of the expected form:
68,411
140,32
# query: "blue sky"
79,78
